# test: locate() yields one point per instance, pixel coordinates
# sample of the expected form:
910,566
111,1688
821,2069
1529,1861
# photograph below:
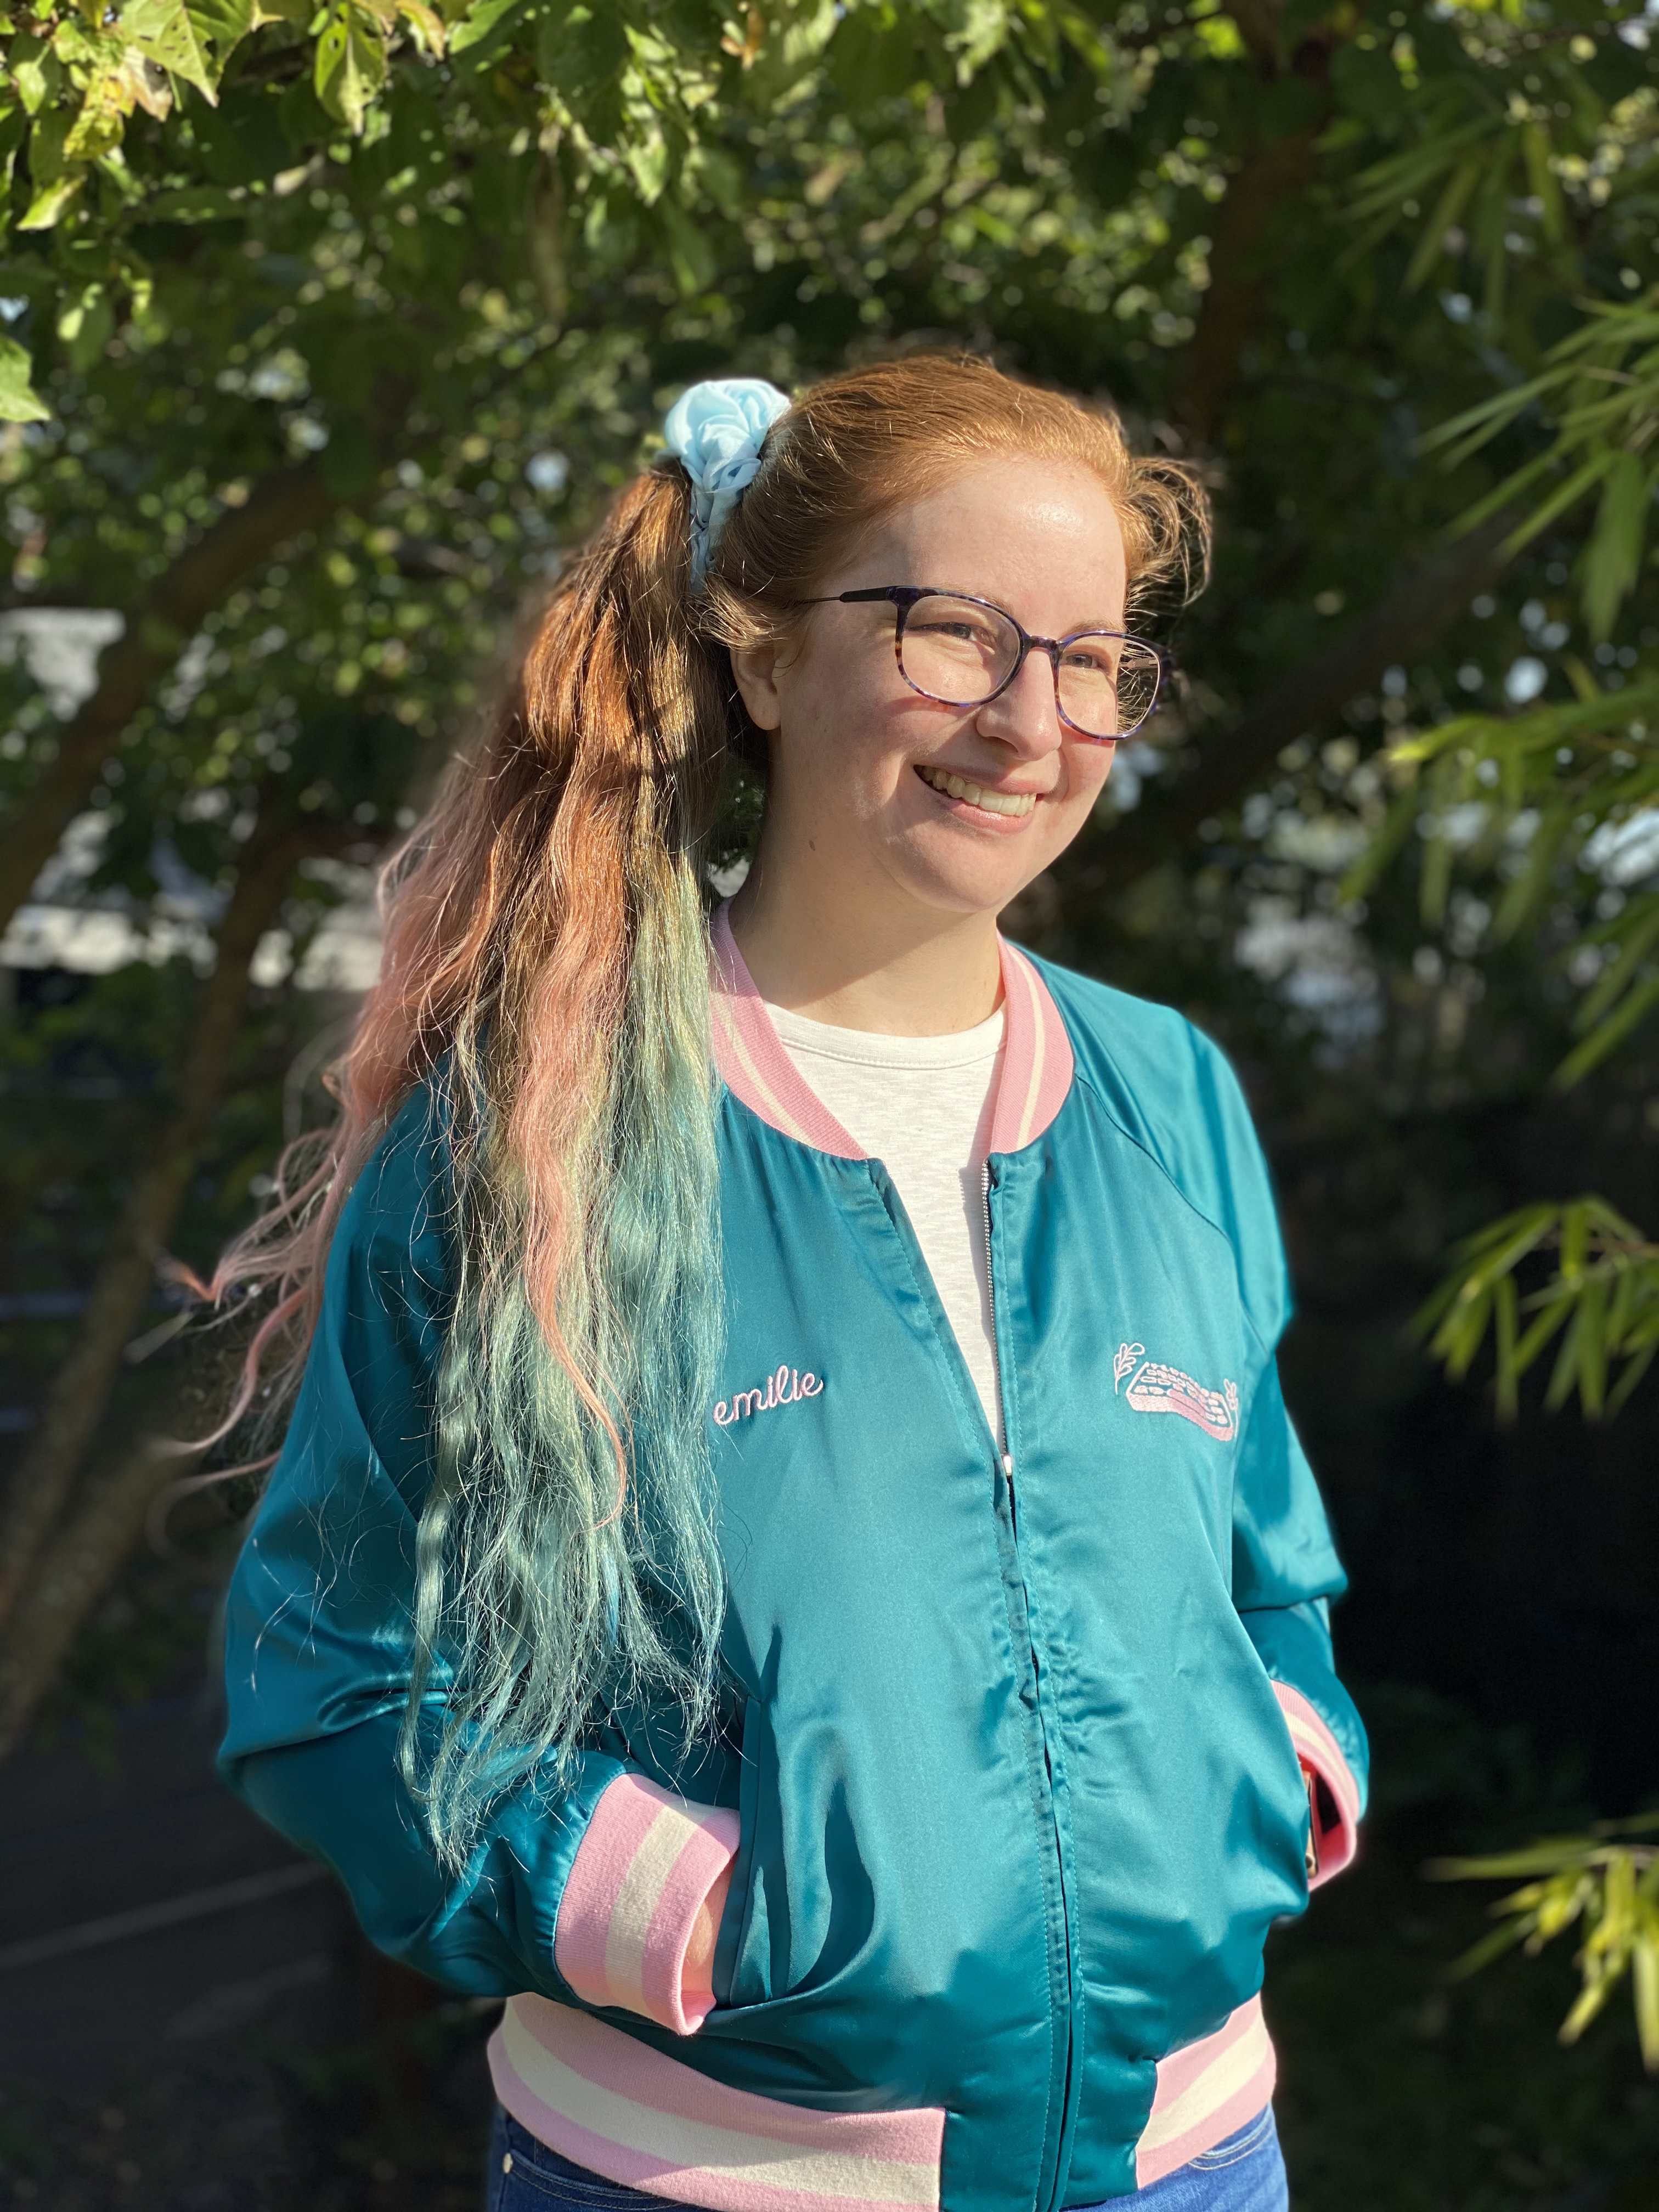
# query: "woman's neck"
913,972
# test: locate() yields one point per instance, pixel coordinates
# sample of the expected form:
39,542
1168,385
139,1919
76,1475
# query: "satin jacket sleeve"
1285,1568
592,1892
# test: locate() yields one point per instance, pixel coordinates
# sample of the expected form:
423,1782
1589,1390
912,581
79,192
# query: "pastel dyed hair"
545,971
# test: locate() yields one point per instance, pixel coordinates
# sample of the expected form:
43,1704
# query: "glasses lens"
956,650
1107,684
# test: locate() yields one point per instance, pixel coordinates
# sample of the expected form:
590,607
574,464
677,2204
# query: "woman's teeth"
993,802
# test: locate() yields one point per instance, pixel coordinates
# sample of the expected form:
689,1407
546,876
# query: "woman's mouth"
1014,803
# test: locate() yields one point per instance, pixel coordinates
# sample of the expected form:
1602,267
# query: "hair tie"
715,431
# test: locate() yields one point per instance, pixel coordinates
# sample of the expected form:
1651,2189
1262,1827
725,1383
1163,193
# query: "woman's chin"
968,879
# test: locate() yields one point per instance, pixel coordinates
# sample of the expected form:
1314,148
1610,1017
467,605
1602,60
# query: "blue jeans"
1244,2173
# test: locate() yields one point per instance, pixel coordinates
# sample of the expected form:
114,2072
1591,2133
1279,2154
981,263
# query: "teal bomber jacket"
1029,1746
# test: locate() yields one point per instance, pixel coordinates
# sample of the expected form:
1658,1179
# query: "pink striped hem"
615,2105
1205,2092
641,1874
1036,1066
1321,1756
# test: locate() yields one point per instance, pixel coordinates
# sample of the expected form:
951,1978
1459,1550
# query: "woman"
789,1562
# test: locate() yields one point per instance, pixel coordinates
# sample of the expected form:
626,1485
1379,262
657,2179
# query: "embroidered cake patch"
1155,1388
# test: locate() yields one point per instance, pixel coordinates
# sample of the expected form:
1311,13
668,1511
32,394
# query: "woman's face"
856,800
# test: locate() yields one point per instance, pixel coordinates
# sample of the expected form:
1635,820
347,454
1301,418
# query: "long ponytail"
545,971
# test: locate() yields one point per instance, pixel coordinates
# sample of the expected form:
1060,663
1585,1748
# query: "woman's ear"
755,667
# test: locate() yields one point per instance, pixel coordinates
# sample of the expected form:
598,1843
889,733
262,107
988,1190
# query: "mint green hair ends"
567,1561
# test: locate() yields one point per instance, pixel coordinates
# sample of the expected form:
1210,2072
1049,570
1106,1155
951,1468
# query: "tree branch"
71,1575
1421,606
74,1403
158,627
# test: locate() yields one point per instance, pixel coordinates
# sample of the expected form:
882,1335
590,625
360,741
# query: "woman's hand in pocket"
698,1975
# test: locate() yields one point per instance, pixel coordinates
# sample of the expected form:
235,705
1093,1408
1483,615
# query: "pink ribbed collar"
1036,1060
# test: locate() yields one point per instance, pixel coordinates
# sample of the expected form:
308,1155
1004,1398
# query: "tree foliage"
326,328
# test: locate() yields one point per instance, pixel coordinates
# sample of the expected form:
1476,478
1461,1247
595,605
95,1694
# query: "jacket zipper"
1007,1459
991,1310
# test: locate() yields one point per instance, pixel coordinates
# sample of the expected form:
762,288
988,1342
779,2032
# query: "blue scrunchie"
715,430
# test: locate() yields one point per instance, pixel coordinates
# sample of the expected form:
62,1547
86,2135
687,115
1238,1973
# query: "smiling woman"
937,1751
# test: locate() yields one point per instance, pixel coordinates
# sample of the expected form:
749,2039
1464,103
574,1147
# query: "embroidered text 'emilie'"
782,1389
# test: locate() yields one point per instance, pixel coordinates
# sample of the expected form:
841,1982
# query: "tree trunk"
158,627
80,1389
1270,179
70,1576
1421,607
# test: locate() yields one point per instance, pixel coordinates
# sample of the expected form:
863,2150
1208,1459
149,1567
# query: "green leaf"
484,26
49,204
1613,559
690,250
97,130
194,39
165,32
350,65
85,325
19,402
35,70
222,23
577,49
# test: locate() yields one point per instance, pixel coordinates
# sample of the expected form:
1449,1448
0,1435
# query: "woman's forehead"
1009,525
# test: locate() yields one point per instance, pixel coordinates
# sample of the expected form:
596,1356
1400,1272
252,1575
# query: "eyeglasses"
964,651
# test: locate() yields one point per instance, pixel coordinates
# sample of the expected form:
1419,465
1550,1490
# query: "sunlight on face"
859,759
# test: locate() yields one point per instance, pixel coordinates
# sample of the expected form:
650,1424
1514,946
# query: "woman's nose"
1026,716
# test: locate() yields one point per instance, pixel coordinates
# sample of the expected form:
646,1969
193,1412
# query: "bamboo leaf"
1546,185
1539,1334
1591,1999
1593,1349
1568,495
1635,1368
1491,1947
1635,1007
1613,559
1564,1373
1526,893
1384,849
1634,934
1645,1978
1449,206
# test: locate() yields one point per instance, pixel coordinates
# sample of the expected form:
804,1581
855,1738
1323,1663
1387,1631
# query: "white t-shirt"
922,1106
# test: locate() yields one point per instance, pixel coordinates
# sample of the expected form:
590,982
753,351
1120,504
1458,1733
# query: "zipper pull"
1008,1465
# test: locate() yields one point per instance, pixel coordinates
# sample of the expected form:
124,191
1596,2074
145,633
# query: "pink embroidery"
784,1388
1157,1388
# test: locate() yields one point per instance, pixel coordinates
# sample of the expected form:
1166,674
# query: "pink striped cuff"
1205,2092
641,1875
600,2097
1337,1838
